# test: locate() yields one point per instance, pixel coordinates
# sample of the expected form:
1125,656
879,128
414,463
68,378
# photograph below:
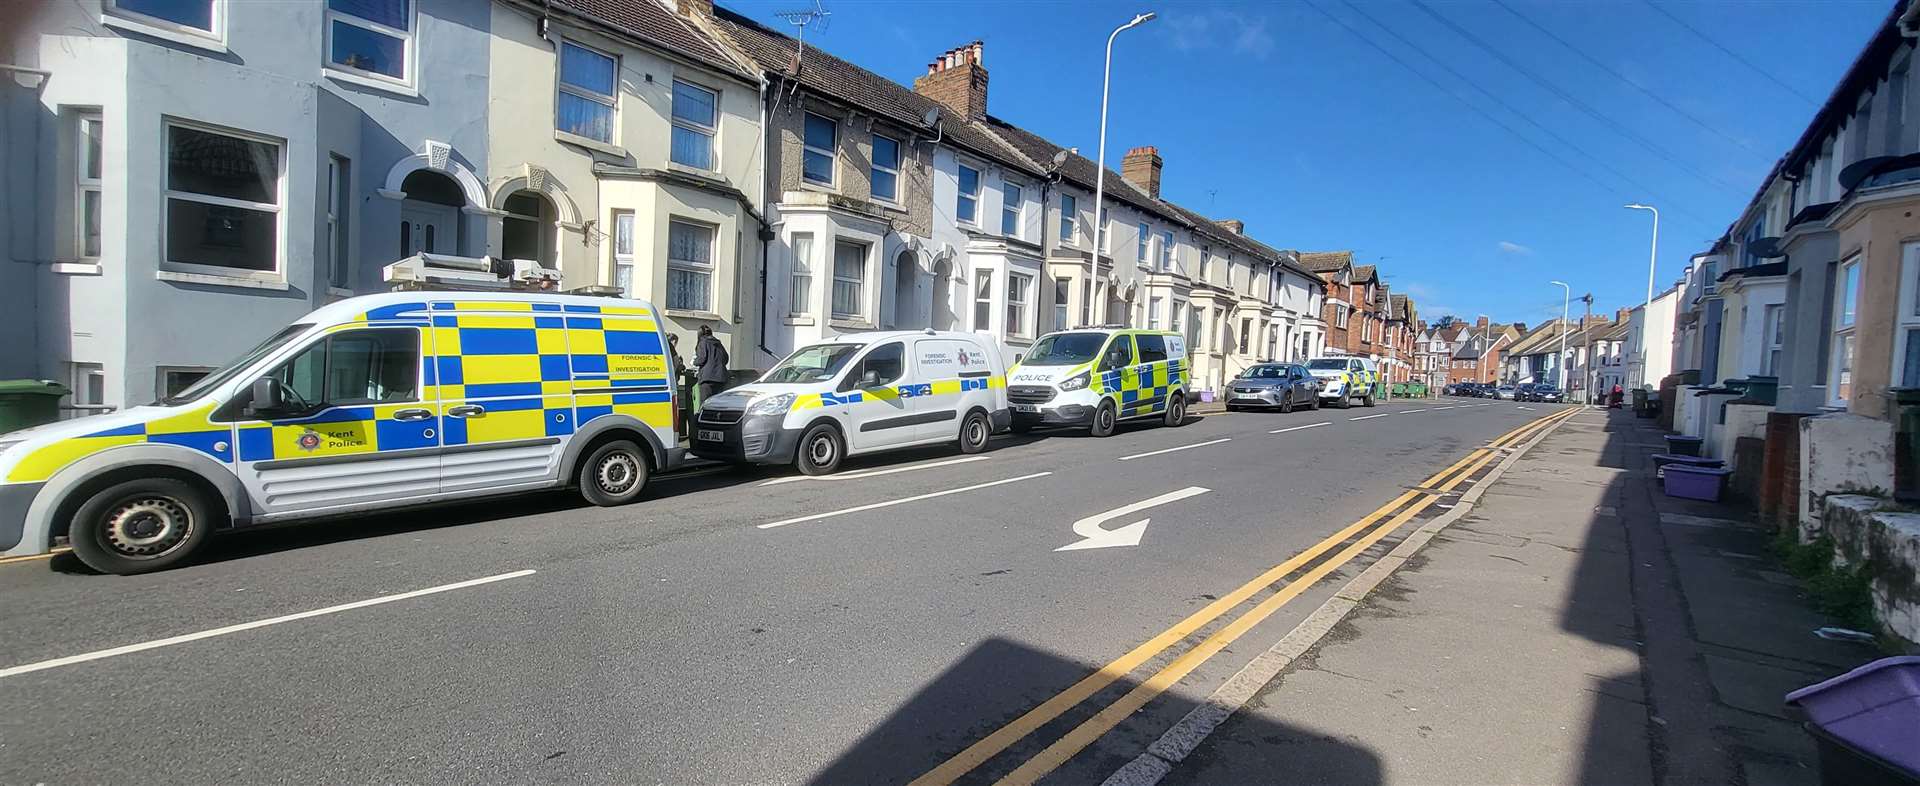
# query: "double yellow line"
1056,754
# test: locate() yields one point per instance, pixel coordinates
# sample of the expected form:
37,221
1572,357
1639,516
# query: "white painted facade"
1650,341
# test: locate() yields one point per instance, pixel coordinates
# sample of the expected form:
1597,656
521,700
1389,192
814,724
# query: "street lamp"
1654,253
1561,362
1100,176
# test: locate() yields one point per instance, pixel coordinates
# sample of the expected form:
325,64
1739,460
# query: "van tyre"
974,431
1368,401
613,474
141,525
1177,410
1105,417
820,450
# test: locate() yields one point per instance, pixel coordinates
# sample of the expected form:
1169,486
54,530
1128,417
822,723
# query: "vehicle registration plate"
1026,408
712,436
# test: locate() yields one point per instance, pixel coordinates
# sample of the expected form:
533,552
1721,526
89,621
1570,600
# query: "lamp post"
1566,297
1100,171
1653,254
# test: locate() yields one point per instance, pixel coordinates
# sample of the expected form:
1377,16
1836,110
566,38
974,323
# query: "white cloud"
1510,247
1191,32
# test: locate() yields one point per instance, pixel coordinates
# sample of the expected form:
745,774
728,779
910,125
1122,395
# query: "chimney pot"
957,81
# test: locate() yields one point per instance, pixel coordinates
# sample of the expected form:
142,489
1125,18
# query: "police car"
371,402
1344,380
859,393
1097,377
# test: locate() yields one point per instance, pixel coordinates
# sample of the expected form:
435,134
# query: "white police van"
1096,377
859,393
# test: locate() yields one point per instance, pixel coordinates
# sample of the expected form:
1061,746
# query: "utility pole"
1586,364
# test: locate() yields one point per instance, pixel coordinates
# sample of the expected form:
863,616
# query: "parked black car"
1547,394
1281,386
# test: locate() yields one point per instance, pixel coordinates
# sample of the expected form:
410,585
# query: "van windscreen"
816,363
1065,349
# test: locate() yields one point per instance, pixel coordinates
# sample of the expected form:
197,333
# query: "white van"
859,393
368,403
1094,378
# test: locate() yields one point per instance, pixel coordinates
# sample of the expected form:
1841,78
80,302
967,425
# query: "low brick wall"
1887,544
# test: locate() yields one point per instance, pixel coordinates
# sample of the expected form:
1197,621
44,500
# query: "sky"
1461,146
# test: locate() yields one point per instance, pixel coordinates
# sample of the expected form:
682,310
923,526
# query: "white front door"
428,228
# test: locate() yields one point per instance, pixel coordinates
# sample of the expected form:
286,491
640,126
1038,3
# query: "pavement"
917,613
1575,625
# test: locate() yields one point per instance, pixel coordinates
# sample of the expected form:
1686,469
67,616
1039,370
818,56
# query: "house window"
223,201
1166,252
89,384
1340,316
1206,259
886,168
1069,215
86,180
339,208
849,279
800,302
967,209
822,139
527,231
170,380
689,266
586,101
982,300
1153,312
195,17
1246,327
1846,298
1140,249
1018,287
1906,358
1106,232
623,251
1062,293
1773,326
370,37
696,116
1010,198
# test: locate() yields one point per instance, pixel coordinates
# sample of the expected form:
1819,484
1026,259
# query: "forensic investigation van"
1097,377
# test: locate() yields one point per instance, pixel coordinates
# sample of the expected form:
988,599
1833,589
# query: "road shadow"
997,681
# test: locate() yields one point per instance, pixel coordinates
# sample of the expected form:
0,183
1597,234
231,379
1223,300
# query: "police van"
1097,377
1344,380
371,402
859,393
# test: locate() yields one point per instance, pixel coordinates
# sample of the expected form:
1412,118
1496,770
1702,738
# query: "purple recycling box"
1691,482
1875,709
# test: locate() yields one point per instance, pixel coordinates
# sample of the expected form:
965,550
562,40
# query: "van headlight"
771,405
1076,381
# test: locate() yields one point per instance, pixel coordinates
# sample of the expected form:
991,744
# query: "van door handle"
412,414
467,411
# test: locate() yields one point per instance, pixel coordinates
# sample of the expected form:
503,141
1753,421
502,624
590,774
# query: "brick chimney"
1622,314
958,80
700,8
1141,167
1233,225
1480,324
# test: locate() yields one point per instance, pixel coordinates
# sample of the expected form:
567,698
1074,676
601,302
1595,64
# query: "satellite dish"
1853,173
932,117
1766,248
1059,159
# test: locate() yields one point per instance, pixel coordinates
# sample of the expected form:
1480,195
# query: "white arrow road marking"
874,473
1182,447
1370,417
1093,536
1297,428
892,502
244,626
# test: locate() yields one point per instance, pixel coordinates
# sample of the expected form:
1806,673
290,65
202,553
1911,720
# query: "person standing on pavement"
710,365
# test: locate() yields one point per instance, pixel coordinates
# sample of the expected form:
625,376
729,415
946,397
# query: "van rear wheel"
1177,410
141,525
613,474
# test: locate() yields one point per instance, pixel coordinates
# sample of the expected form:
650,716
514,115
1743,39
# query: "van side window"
1119,354
376,366
883,366
1153,349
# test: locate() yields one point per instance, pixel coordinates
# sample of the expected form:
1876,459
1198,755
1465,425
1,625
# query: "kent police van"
1097,377
371,402
859,393
1344,380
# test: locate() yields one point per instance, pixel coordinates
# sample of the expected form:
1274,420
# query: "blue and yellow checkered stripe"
1144,388
940,387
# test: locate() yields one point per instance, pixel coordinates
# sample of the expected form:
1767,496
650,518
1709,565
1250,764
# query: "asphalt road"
736,628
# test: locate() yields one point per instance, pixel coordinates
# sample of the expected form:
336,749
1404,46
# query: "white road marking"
1182,447
874,473
1525,408
891,503
245,626
1437,409
1093,536
1370,417
1411,411
1297,428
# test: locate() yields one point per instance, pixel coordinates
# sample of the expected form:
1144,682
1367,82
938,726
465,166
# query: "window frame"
215,33
1013,198
626,233
832,153
962,196
1142,239
800,275
1070,219
278,208
1019,307
324,342
866,263
1773,326
1106,231
84,184
708,269
983,300
611,102
1907,318
712,133
1062,299
339,219
873,162
1165,256
408,50
1844,332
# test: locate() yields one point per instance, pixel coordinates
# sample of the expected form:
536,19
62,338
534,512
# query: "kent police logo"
308,442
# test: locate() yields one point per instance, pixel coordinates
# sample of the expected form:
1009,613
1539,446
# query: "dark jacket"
709,360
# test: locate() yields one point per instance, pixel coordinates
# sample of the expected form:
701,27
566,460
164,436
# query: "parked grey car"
1281,386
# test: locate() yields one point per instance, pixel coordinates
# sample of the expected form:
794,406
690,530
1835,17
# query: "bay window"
689,266
800,300
1018,287
849,279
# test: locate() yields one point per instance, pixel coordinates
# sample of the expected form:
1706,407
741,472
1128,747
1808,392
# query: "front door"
885,414
428,228
355,427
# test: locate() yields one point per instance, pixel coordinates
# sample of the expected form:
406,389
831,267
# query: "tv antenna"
818,14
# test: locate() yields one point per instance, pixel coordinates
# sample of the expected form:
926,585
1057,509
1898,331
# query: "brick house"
1402,332
1355,307
1480,352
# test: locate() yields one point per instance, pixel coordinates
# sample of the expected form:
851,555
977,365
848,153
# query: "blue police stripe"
340,415
449,373
396,310
498,341
632,342
548,322
135,430
546,306
584,414
559,422
445,320
256,443
590,364
571,308
453,431
553,368
584,323
401,435
656,382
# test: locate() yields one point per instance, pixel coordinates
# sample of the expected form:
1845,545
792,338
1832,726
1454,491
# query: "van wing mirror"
266,396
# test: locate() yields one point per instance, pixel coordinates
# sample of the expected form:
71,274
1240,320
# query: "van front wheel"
1105,418
974,431
613,474
820,451
141,525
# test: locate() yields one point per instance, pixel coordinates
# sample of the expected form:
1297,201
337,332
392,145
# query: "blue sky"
1275,114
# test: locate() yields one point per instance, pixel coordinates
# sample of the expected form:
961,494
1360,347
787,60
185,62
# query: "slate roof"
1545,338
1245,244
650,22
1399,308
1325,261
1364,273
1078,169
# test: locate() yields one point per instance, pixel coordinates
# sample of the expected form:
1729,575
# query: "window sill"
594,145
686,169
850,324
220,281
205,43
77,268
384,86
891,207
691,314
824,188
799,319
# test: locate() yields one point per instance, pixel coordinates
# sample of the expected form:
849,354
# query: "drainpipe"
767,235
